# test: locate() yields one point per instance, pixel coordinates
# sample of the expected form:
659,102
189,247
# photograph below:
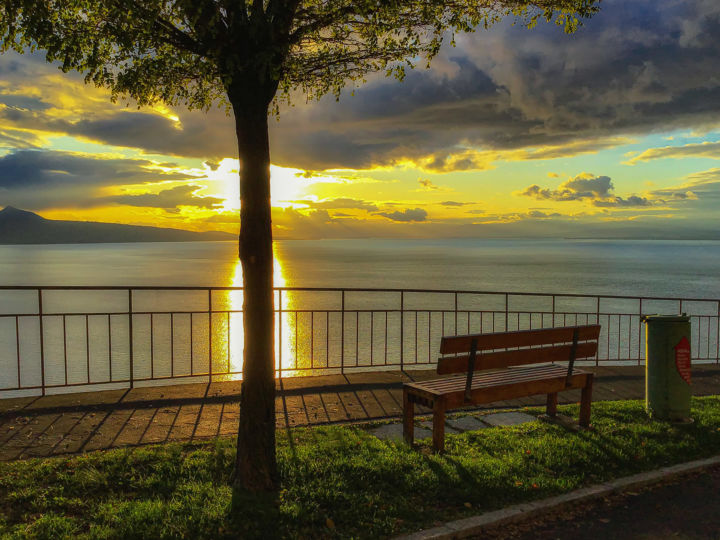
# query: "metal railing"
85,338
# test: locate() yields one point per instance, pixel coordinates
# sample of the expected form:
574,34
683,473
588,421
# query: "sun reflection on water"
228,332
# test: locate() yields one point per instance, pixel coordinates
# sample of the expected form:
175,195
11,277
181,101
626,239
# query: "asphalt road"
683,508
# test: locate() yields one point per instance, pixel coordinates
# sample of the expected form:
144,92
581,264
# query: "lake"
90,342
627,267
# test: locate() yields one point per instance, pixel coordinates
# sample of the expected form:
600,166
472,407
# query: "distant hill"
23,227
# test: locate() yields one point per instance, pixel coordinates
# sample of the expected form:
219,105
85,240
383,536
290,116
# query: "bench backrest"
504,349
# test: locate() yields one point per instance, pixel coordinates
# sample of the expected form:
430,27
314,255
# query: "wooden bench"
494,354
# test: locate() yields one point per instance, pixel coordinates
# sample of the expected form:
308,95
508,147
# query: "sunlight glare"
286,185
235,330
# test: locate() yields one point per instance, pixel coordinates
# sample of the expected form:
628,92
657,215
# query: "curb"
472,526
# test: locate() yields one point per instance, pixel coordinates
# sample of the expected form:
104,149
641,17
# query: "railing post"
597,321
402,330
553,312
507,309
639,358
280,335
456,314
210,346
342,331
130,339
42,341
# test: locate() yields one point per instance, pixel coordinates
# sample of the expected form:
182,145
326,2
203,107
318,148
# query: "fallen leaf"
468,505
330,523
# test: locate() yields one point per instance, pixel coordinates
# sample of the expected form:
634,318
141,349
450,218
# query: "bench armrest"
571,361
471,369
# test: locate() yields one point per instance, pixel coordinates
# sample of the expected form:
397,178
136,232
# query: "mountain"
23,227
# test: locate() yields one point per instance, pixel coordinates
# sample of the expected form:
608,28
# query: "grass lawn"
339,481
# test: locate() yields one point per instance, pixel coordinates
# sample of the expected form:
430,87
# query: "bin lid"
665,318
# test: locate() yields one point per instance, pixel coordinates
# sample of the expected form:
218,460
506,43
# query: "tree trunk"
256,465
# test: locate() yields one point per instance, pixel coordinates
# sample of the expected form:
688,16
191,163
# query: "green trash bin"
667,367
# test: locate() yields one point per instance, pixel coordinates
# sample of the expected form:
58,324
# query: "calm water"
636,268
87,337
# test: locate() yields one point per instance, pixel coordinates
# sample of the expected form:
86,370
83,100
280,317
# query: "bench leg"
551,408
408,418
439,425
586,401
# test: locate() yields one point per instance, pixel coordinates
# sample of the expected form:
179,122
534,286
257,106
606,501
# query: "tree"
250,54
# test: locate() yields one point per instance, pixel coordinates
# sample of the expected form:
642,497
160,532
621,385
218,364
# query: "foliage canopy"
190,52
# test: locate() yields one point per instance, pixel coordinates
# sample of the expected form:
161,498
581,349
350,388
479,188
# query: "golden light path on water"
228,332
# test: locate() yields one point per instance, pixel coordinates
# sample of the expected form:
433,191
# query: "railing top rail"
340,289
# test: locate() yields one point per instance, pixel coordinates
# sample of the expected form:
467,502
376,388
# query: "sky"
613,131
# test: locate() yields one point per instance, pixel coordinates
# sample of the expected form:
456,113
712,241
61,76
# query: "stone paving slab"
467,423
427,424
511,418
80,422
394,431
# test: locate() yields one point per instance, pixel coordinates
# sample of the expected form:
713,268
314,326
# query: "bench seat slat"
491,378
531,387
456,383
520,338
500,359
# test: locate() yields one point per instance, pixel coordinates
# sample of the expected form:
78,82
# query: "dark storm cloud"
23,102
636,67
195,135
11,138
40,179
43,168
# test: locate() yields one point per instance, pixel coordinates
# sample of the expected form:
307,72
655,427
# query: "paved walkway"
684,507
70,423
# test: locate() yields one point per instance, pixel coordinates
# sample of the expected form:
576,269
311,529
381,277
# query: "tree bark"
256,465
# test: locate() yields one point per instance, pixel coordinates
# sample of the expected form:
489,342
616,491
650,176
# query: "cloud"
502,94
631,201
509,88
587,187
331,204
409,214
427,185
537,214
36,168
168,199
454,203
40,179
698,150
583,186
702,187
11,138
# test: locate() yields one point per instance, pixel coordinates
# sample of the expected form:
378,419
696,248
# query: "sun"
286,185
